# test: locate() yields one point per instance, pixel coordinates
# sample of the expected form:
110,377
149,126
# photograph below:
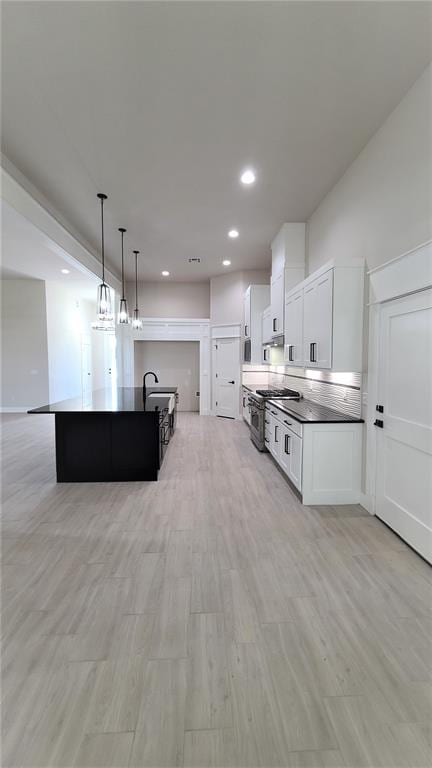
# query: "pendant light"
123,316
104,308
136,322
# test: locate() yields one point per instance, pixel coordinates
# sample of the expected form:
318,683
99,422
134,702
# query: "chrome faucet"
144,382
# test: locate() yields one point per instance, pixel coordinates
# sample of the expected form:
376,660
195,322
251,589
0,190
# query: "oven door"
247,351
256,421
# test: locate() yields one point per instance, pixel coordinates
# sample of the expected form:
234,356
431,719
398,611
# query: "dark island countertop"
116,400
308,412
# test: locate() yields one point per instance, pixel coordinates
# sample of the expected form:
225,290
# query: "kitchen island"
114,435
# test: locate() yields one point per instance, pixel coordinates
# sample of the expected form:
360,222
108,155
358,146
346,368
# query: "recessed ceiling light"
65,271
165,273
226,262
233,233
248,176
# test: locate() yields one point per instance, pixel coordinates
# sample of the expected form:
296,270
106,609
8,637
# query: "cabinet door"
275,438
318,322
277,304
266,325
293,330
247,314
295,448
285,450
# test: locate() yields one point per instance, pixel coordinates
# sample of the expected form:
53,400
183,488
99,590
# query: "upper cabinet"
247,314
318,321
277,303
256,299
324,319
266,325
293,332
288,258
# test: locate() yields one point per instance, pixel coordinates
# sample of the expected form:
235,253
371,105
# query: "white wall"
227,292
176,364
68,319
381,207
24,347
170,299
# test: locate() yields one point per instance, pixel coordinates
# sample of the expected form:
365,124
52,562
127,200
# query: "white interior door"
110,363
86,369
404,442
227,377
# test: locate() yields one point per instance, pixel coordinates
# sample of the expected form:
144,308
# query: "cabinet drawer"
285,420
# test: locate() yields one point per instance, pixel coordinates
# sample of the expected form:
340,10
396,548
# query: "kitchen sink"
171,395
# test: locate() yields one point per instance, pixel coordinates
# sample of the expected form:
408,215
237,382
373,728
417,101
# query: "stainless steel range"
256,403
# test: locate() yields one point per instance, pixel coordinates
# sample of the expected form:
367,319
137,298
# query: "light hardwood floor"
207,619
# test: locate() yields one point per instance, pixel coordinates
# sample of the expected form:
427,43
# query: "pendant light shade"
104,306
136,322
123,315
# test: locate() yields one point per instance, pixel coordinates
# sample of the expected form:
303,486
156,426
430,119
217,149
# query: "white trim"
168,329
17,408
409,273
226,331
406,274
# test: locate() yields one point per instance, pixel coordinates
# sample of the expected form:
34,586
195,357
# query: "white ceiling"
28,253
161,105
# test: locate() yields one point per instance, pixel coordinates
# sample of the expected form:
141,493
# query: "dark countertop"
117,400
308,412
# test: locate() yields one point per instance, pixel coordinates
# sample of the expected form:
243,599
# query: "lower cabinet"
290,458
245,405
323,461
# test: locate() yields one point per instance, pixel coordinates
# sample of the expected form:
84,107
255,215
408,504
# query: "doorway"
404,419
176,364
226,377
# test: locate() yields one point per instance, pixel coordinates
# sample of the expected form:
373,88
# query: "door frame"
406,274
225,331
166,329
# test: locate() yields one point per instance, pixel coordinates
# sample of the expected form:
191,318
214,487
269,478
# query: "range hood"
278,341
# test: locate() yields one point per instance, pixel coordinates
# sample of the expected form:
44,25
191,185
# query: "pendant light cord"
122,230
136,280
102,197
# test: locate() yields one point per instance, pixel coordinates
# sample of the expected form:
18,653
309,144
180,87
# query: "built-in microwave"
247,351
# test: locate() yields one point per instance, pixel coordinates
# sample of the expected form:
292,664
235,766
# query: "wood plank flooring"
206,620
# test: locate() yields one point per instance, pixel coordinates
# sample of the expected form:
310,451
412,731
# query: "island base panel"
115,447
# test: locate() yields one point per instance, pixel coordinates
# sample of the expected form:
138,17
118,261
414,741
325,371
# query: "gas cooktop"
289,393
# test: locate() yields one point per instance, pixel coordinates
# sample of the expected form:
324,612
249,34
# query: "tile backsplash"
341,391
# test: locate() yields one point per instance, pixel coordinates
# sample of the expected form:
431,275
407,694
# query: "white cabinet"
277,303
245,405
291,456
323,325
318,321
293,330
266,325
255,300
247,314
323,461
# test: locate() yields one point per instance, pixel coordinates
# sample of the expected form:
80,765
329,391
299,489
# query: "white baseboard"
16,408
366,502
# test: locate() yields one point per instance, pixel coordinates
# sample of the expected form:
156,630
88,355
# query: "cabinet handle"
246,330
267,421
291,353
274,413
312,352
274,324
287,439
266,440
244,404
288,422
275,437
